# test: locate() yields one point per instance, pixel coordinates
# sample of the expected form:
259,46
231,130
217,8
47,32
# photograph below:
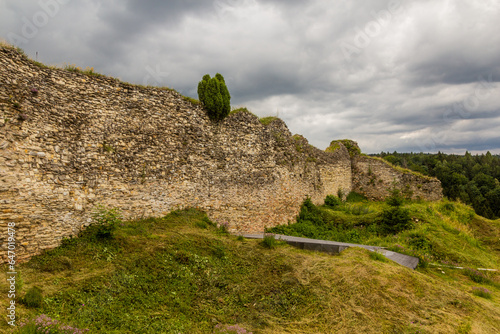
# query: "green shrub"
395,199
332,201
104,224
269,241
395,219
355,197
357,209
418,241
309,212
448,208
33,298
214,95
352,236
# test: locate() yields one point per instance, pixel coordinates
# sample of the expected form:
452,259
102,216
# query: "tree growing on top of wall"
214,95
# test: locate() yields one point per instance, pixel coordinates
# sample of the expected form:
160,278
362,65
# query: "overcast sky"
391,75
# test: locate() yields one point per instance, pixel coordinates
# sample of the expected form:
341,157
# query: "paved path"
337,247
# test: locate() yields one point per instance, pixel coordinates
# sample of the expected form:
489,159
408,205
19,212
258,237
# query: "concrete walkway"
334,247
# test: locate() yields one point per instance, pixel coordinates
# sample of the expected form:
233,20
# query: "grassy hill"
182,274
439,232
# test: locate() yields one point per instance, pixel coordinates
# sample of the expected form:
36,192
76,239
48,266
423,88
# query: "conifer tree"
214,95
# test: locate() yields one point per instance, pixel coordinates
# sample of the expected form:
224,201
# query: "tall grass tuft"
477,276
481,292
105,223
33,298
269,241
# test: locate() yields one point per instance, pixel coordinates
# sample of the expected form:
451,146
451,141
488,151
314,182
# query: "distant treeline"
472,179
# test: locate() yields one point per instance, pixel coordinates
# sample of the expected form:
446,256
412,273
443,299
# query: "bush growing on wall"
214,95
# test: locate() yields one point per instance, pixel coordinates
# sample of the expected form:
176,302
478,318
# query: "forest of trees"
472,179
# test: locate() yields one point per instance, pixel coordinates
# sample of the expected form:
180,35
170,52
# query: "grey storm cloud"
392,75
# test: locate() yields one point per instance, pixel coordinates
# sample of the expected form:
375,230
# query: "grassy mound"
439,232
182,274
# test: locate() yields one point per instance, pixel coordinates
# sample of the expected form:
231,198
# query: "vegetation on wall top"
214,95
400,169
351,146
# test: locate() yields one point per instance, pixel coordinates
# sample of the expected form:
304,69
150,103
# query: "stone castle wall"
70,141
374,178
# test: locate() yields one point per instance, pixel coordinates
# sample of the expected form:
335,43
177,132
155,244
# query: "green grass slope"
439,232
182,274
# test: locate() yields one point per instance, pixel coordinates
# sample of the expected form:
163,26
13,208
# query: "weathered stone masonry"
69,141
374,178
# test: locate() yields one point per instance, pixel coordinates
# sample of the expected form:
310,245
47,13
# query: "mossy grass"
377,257
268,120
334,146
192,100
89,71
351,146
401,169
238,110
263,120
